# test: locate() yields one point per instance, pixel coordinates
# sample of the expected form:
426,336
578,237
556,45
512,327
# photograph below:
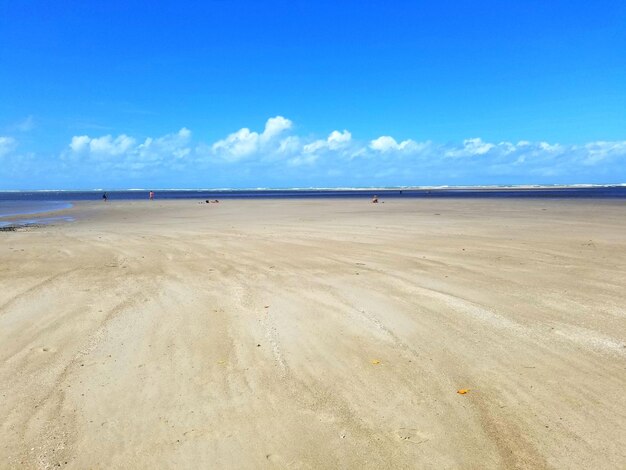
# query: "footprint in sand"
412,435
281,462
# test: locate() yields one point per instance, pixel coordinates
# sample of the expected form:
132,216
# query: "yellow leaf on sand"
463,391
375,361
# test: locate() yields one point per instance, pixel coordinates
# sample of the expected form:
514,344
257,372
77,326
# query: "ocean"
458,192
20,203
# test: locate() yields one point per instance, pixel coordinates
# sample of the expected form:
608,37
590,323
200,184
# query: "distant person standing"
105,197
151,195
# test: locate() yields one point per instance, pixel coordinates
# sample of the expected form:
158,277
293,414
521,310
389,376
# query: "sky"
295,93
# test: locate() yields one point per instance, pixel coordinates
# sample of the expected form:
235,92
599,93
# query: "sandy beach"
316,334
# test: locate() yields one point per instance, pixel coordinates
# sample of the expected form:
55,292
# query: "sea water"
56,197
20,203
12,211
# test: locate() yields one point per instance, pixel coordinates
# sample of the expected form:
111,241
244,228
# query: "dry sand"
316,334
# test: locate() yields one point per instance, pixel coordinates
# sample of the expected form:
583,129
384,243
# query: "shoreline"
33,218
81,210
596,192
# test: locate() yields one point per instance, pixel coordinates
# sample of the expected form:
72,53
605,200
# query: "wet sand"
316,334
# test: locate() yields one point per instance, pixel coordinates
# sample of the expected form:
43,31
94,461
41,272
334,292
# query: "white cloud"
471,147
123,152
245,142
314,146
335,141
170,145
275,126
338,139
278,149
7,145
597,152
387,143
552,148
80,143
289,145
506,147
238,144
105,145
110,146
476,146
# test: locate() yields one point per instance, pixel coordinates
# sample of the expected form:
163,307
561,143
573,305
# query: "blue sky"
229,93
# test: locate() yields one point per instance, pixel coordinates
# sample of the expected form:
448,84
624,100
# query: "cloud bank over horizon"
277,156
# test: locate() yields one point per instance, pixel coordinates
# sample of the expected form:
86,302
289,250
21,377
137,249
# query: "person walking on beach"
105,197
151,195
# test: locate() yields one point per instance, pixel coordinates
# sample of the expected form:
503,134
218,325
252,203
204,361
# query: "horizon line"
335,188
